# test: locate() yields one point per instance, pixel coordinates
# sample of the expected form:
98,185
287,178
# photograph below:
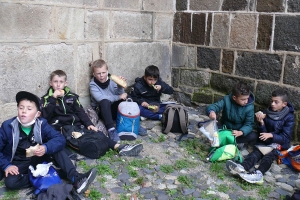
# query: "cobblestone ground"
167,169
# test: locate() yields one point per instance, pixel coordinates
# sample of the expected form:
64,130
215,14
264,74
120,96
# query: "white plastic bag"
41,169
210,130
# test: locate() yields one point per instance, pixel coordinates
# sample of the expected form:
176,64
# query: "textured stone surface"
204,96
208,29
264,32
224,83
198,29
93,3
129,59
181,5
194,78
227,61
7,110
179,56
182,27
259,66
191,53
243,31
163,26
221,30
208,58
31,21
263,93
286,34
292,70
95,27
270,5
252,5
182,97
126,25
211,5
124,4
231,5
175,77
158,5
293,6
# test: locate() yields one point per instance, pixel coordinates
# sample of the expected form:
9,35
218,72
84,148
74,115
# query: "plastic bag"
210,130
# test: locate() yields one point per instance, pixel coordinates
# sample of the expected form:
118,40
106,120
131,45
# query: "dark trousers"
22,179
108,112
266,160
152,115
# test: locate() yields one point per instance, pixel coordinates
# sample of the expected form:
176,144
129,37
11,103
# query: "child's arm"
164,87
4,163
48,108
136,95
285,133
79,111
215,107
249,122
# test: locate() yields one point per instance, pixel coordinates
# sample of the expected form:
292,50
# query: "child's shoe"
113,134
253,177
130,149
83,181
142,131
234,168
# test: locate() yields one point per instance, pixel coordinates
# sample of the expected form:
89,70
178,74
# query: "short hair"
282,93
152,71
59,73
97,64
240,88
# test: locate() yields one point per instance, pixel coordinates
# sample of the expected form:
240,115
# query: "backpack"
128,120
290,157
86,142
175,119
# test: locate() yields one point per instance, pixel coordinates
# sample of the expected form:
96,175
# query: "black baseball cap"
29,96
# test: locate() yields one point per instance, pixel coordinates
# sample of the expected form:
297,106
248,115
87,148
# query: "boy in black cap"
26,130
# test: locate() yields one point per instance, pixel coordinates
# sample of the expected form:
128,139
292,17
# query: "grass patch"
217,169
171,192
160,138
103,169
139,180
109,155
195,147
184,163
185,180
184,198
167,169
223,188
140,163
132,172
84,166
204,195
11,194
264,191
95,195
102,180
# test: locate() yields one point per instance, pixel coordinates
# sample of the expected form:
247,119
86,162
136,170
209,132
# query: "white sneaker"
143,118
234,168
254,177
130,149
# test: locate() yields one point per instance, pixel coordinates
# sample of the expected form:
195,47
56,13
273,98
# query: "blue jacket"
281,129
43,134
234,116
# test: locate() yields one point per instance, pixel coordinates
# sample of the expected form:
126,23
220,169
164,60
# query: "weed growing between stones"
246,198
205,195
102,180
103,169
195,147
264,191
11,194
132,172
171,192
160,138
84,166
185,180
95,195
139,180
217,169
109,155
223,188
2,183
184,163
123,197
140,163
166,169
184,198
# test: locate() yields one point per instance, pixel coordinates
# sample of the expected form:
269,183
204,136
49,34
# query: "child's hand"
157,87
123,96
91,127
13,170
40,151
121,77
212,115
145,104
260,117
58,93
265,136
237,133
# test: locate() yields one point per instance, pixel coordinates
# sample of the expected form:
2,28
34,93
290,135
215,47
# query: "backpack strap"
182,121
171,113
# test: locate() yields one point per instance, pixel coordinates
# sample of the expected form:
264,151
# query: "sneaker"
130,149
253,177
82,181
143,118
113,134
234,168
142,131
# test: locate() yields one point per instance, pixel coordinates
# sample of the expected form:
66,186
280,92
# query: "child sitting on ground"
147,91
62,107
275,128
237,113
27,130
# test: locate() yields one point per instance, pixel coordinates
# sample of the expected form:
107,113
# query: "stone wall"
39,36
219,42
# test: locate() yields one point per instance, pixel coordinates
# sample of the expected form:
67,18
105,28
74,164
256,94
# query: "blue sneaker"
113,135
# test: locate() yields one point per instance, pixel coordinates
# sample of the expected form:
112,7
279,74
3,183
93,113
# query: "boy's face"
101,74
58,82
241,100
27,111
150,80
277,104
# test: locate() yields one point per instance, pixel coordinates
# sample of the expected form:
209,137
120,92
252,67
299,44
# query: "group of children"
40,120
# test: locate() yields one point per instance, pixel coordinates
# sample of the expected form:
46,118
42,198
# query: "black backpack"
90,144
175,119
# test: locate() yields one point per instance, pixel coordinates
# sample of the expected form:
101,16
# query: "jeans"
108,112
152,115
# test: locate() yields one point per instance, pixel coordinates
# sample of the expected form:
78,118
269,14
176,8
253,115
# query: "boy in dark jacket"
237,113
275,128
147,91
27,130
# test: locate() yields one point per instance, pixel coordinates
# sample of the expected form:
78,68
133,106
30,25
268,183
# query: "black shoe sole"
90,179
133,152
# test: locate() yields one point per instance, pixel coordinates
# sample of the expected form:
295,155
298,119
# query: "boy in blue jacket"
27,130
275,128
237,113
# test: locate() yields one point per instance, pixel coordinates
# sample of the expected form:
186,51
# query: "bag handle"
129,100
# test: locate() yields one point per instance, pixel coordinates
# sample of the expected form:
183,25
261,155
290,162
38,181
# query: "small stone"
269,179
274,195
169,177
147,184
171,186
161,186
297,183
136,188
275,169
287,187
187,191
146,190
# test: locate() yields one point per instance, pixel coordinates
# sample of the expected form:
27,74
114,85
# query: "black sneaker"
83,181
130,149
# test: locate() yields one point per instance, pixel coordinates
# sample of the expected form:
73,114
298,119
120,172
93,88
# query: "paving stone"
270,5
287,187
187,191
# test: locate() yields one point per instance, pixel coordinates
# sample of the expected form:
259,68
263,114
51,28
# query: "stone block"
211,5
218,97
293,6
259,66
183,98
124,4
22,68
96,25
194,78
208,58
181,5
264,32
263,93
163,26
270,5
221,30
252,5
191,56
224,84
159,5
208,29
243,31
227,61
175,77
233,5
292,70
133,58
182,27
186,89
198,28
90,3
8,110
203,96
126,25
179,56
70,23
286,33
25,21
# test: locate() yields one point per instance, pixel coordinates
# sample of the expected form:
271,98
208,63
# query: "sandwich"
118,81
153,108
31,149
260,113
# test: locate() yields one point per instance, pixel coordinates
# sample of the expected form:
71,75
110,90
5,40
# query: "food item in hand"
31,149
62,92
76,134
154,86
153,108
259,112
118,80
